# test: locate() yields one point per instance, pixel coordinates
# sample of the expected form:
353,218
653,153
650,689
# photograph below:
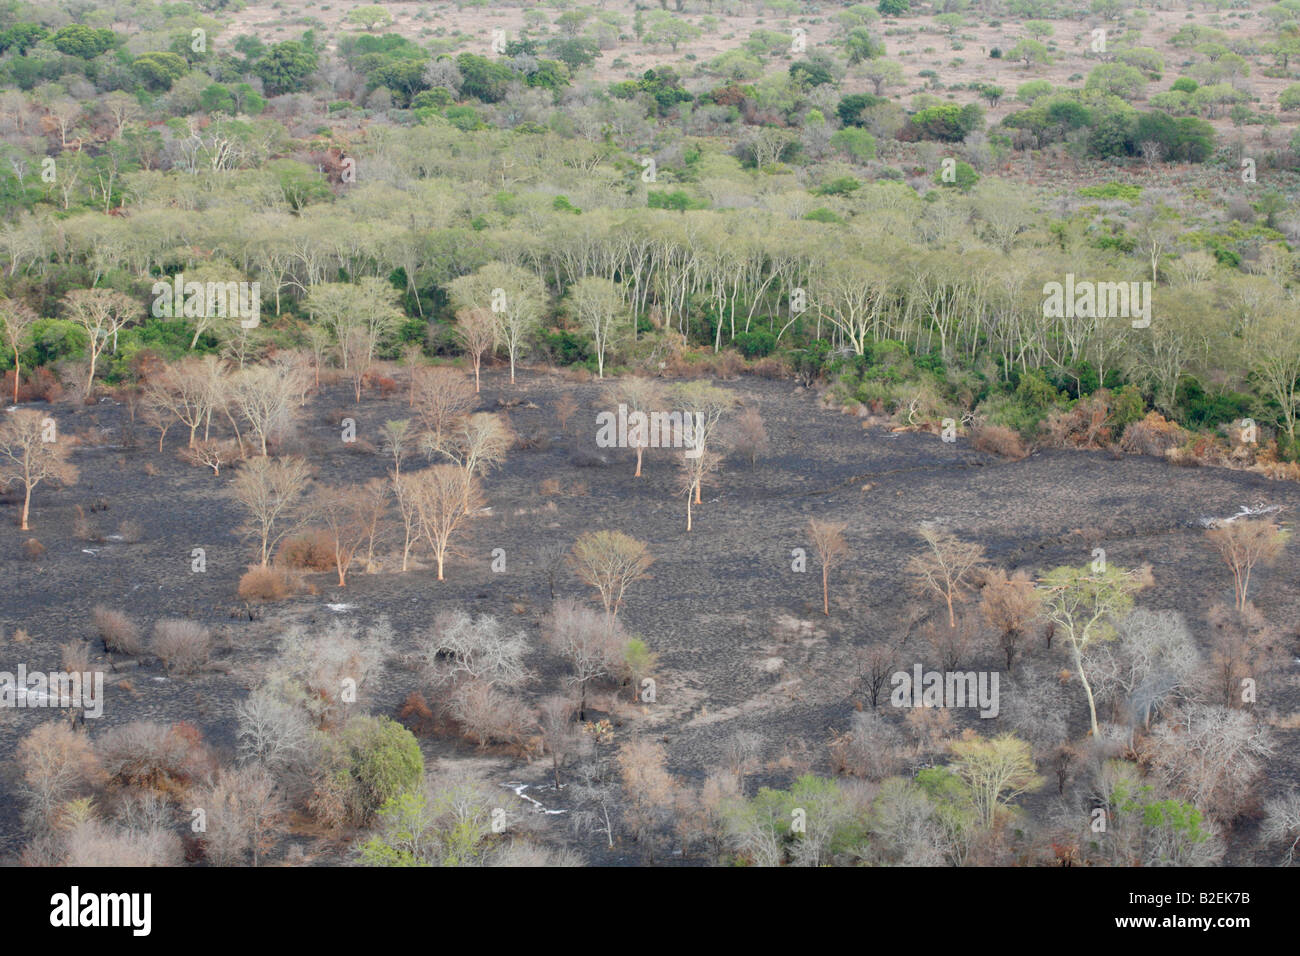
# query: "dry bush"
566,406
75,656
1000,441
84,527
54,764
314,663
577,374
266,584
153,756
952,645
1211,756
872,747
771,367
33,550
549,486
1243,644
1198,450
1083,425
747,436
488,715
94,843
1154,435
443,396
729,364
1010,606
131,531
313,550
118,632
183,646
245,811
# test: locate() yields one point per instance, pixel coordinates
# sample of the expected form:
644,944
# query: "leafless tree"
16,321
271,490
593,647
327,670
397,441
244,811
265,397
442,398
103,313
743,750
1010,605
828,541
344,513
458,648
1243,545
641,396
476,333
944,567
1282,824
649,789
1243,644
693,471
560,735
31,452
1211,755
54,764
445,497
276,734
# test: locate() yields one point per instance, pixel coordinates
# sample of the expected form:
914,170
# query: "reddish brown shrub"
1154,435
311,551
1000,441
265,584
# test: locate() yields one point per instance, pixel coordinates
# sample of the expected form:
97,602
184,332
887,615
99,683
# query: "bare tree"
609,561
54,763
828,541
277,735
271,490
642,396
182,392
1282,824
1243,645
944,568
445,497
16,321
343,511
743,750
103,313
648,787
476,333
265,397
706,404
1244,544
442,398
458,649
244,811
1010,605
31,453
477,443
592,646
693,471
1211,755
560,735
396,436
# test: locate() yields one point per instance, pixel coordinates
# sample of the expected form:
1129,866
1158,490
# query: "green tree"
286,67
370,17
1084,603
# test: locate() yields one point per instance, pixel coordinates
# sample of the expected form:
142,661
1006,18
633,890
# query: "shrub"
372,760
33,550
154,756
117,631
1153,435
311,551
265,584
1000,441
755,344
131,531
183,646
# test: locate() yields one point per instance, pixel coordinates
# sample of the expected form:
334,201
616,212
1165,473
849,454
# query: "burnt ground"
713,606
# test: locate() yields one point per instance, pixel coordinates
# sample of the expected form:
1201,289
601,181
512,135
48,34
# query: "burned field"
751,675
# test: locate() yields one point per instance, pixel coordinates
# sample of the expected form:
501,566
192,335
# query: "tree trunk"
27,504
1087,688
826,595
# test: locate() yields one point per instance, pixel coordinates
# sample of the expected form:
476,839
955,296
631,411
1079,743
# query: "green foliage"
947,122
373,760
755,344
286,67
857,143
676,199
894,8
82,41
158,71
1112,190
